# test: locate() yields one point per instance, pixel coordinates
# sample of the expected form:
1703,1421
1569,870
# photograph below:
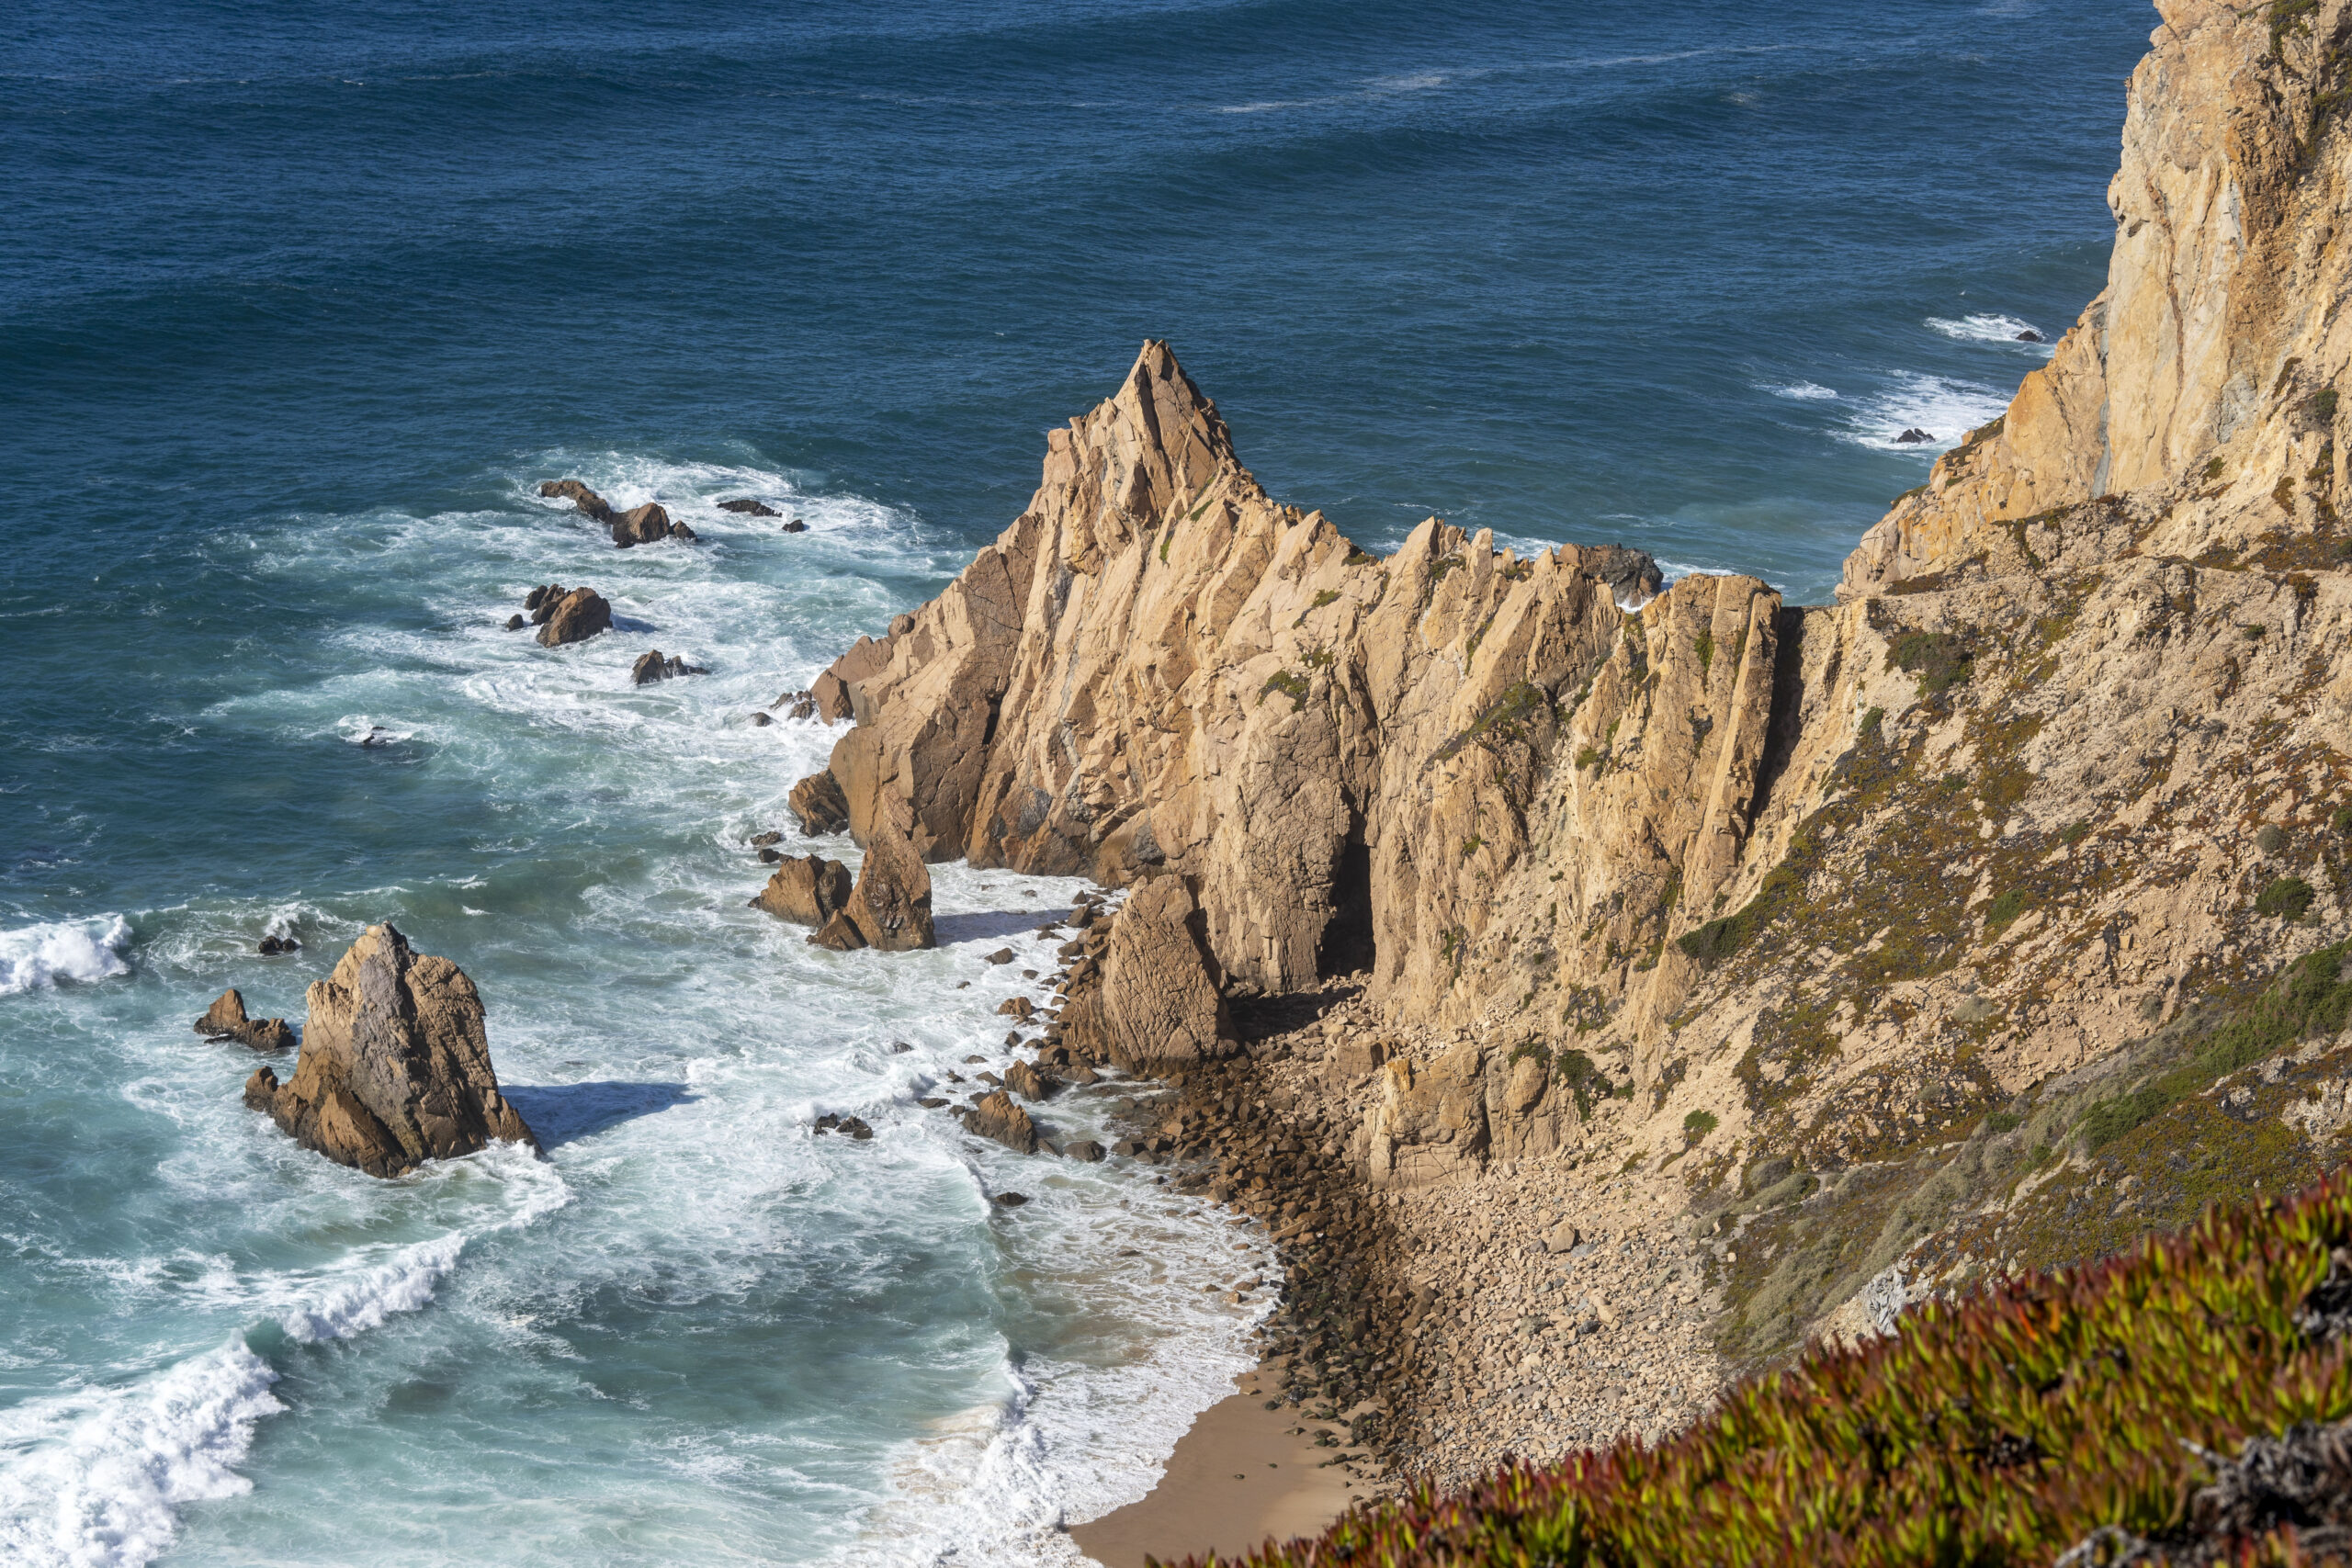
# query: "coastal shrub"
1940,660
2007,1428
1727,934
2005,908
2213,469
2254,634
1289,685
2270,839
1705,646
2074,833
2289,898
2323,404
2342,820
1357,557
1697,1125
1871,721
2311,998
1589,757
1328,596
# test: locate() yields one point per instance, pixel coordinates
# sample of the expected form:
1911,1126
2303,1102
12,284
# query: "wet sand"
1237,1477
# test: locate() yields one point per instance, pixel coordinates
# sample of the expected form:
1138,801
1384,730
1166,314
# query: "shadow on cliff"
560,1112
990,923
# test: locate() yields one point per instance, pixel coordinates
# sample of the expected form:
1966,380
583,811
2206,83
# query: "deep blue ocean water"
297,308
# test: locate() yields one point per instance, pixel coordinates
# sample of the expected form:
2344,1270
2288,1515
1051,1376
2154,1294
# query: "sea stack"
395,1067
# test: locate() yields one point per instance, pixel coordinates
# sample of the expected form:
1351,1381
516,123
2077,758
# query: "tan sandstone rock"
226,1020
817,802
395,1068
996,1116
807,890
891,905
1160,1005
586,501
575,617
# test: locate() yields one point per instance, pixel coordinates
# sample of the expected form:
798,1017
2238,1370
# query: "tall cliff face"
1833,884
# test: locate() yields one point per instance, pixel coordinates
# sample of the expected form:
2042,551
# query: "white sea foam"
1800,391
357,1306
96,1479
1990,327
1943,407
32,957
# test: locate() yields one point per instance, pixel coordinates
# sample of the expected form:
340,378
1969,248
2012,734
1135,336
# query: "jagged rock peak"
395,1066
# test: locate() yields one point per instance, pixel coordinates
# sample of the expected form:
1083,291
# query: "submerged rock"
395,1067
574,617
749,507
2030,335
226,1020
1914,436
272,946
795,526
515,623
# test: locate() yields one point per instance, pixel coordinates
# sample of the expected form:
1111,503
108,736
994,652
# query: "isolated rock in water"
795,526
540,602
2030,335
226,1020
1011,1200
997,1117
272,945
758,720
581,496
819,805
515,623
651,667
891,904
1024,1079
1160,1001
1085,1149
395,1068
749,507
807,890
642,525
1914,436
679,531
840,933
762,841
577,616
770,856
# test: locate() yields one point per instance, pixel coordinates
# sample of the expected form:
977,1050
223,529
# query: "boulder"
2030,335
540,602
995,1116
804,708
642,525
763,839
840,933
271,946
891,904
651,667
1001,955
758,720
796,526
1015,1007
1025,1080
749,508
582,499
1914,436
515,623
575,617
807,890
1561,1237
395,1067
226,1020
1161,1003
818,802
1011,1200
1085,1149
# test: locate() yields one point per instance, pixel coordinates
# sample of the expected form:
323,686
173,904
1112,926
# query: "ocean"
300,306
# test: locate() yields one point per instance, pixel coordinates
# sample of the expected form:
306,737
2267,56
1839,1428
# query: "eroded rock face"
395,1067
226,1020
891,903
807,890
574,617
1160,1004
816,801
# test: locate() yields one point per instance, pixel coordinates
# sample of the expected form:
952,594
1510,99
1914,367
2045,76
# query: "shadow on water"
988,923
560,1113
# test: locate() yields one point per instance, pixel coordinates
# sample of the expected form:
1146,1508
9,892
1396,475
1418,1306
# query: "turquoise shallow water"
297,312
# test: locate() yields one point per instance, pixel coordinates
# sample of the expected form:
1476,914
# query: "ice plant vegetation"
2092,1407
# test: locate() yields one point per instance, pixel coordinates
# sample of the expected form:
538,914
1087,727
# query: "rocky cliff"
1799,909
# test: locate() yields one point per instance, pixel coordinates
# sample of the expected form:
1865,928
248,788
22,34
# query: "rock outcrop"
646,524
587,502
651,667
226,1020
749,507
807,890
995,1116
395,1067
1696,882
1161,1008
574,617
818,804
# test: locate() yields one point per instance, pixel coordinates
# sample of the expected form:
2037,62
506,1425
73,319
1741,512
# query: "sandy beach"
1240,1476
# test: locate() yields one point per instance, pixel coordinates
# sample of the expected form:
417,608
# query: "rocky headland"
1601,985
